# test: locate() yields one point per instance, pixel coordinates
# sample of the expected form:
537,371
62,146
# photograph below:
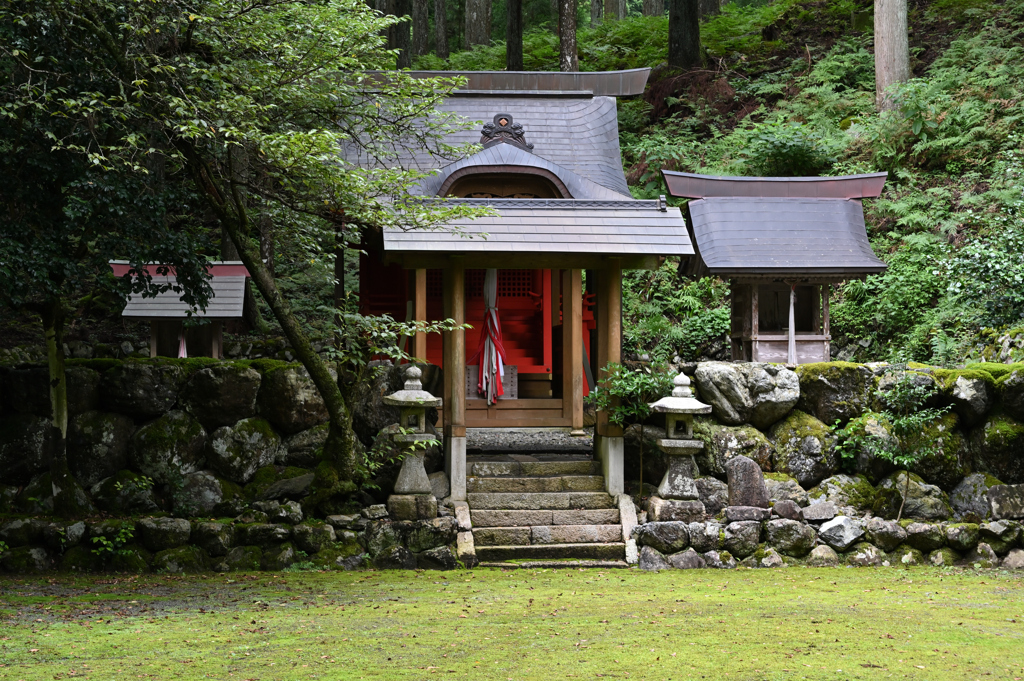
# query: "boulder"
142,390
1006,501
1011,392
782,487
80,559
841,532
909,556
660,510
428,534
238,451
865,555
36,498
312,536
438,558
823,556
1000,535
439,485
125,493
183,559
98,445
289,399
263,535
713,493
83,389
969,499
25,447
720,560
950,462
996,445
8,498
686,560
240,558
771,559
791,537
667,537
865,462
742,538
290,488
217,539
755,393
805,448
304,448
787,509
369,413
707,536
26,559
982,556
925,536
738,513
23,531
835,391
395,558
944,557
746,483
412,506
290,512
970,393
278,557
920,500
158,534
962,536
202,492
722,443
1014,560
885,534
168,448
221,395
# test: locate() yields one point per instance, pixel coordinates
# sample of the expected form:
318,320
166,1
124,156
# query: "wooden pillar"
572,347
755,321
218,339
455,379
609,441
825,290
792,324
419,313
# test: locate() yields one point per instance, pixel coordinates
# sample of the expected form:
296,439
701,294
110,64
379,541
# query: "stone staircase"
542,509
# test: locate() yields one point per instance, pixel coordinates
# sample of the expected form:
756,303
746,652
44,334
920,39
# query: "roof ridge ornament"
504,131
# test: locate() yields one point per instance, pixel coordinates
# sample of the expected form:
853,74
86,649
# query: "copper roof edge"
544,83
694,186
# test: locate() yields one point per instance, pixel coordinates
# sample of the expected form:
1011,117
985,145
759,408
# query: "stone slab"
493,469
596,516
510,485
462,516
501,536
611,551
1006,501
662,510
412,506
465,549
737,513
582,483
521,501
817,513
591,500
542,468
575,534
746,483
506,518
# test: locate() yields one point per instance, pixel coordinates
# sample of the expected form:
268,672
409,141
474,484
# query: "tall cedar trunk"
709,8
567,58
66,493
614,9
654,8
440,29
478,22
514,36
556,18
420,28
250,310
339,280
892,49
684,33
403,42
595,12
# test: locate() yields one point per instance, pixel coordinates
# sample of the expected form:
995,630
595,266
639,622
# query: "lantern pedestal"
413,498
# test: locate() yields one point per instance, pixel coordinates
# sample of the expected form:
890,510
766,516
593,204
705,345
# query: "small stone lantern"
677,497
413,498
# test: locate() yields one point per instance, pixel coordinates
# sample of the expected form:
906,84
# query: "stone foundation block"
412,506
663,510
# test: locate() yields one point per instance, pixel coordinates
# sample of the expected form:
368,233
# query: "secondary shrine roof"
226,301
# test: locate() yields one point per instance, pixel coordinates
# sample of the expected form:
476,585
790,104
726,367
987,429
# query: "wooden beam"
528,261
545,316
556,298
419,345
609,348
792,324
572,347
455,350
825,292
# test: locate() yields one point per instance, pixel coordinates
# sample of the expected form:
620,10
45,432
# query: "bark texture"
403,39
420,28
567,57
440,29
653,8
614,9
595,12
478,22
684,33
709,8
892,49
514,36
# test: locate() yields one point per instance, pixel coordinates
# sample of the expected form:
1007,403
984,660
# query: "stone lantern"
413,498
677,497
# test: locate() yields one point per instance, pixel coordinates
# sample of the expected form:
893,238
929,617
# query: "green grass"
920,623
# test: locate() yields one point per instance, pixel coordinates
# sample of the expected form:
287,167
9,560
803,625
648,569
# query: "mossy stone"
835,391
722,443
921,500
25,560
846,491
80,559
237,452
907,555
950,462
131,559
182,559
168,448
25,447
125,493
240,558
996,445
804,448
98,445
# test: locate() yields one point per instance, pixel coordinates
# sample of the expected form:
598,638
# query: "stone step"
540,500
563,483
547,534
519,469
505,518
608,551
565,563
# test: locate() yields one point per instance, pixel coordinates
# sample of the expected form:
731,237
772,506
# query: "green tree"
267,107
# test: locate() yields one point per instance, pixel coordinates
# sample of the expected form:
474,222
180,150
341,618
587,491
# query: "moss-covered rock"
908,556
240,558
83,389
804,448
962,536
853,495
26,559
289,399
158,534
278,557
997,445
920,500
422,535
969,392
201,492
1011,392
305,448
215,538
782,487
332,558
80,559
969,499
132,559
739,393
722,443
944,557
36,498
141,389
25,448
168,448
876,427
23,532
835,391
982,556
183,559
125,493
864,555
238,451
950,462
313,536
222,395
98,445
994,369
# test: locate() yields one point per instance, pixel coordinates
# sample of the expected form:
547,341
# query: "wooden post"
556,297
545,315
419,313
455,379
152,338
572,347
218,339
825,289
755,320
609,347
792,323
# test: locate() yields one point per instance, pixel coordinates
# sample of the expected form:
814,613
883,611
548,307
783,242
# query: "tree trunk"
892,50
595,12
339,281
478,22
420,28
709,8
684,33
403,43
655,8
612,10
440,29
514,36
568,60
68,499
